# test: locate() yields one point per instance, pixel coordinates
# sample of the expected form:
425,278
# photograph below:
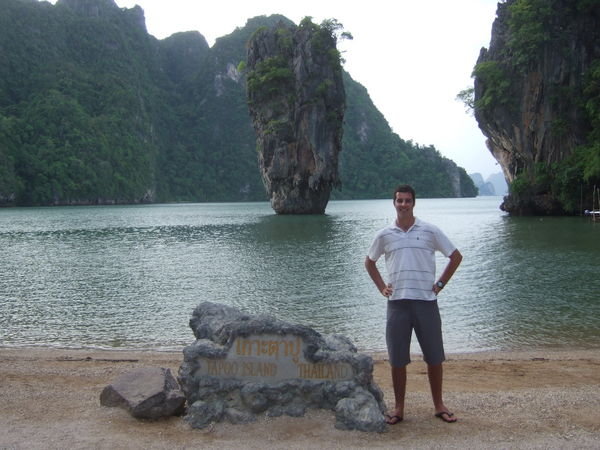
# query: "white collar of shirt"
396,227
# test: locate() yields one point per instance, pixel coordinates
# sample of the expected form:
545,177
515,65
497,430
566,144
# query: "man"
409,246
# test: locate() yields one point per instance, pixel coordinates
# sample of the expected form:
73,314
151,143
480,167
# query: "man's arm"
455,260
373,272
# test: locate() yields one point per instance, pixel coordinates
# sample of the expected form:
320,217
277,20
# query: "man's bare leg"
436,376
399,383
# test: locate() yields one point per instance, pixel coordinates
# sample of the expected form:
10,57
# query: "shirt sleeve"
442,243
376,249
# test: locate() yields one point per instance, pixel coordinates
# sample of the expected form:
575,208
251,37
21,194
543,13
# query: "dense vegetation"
95,110
534,24
534,30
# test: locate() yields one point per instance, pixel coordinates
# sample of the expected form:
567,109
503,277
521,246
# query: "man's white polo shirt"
410,258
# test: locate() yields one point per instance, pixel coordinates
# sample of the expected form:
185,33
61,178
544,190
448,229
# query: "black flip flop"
441,415
395,419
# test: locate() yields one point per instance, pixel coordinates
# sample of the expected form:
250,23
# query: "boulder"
359,412
147,393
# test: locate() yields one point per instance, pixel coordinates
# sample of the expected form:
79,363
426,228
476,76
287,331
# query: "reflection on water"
131,276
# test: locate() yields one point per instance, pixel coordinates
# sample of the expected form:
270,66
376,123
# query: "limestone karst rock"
104,113
296,99
530,95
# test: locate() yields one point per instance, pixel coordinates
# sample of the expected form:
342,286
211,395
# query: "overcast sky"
413,56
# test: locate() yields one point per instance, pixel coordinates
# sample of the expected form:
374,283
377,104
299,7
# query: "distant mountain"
494,185
499,183
94,110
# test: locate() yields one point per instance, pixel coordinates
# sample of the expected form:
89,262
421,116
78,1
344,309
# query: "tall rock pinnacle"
296,99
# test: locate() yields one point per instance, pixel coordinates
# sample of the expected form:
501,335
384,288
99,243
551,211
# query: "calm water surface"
130,276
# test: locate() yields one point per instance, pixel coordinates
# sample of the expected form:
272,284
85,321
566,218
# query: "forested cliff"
537,99
94,110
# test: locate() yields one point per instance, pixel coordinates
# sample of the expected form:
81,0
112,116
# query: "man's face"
404,204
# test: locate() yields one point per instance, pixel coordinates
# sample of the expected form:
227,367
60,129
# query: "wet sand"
543,399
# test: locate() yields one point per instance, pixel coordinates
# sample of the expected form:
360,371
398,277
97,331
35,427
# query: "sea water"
130,276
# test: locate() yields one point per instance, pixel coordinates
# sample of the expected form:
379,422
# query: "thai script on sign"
269,347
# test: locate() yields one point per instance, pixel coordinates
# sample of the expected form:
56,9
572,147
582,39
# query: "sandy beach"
550,399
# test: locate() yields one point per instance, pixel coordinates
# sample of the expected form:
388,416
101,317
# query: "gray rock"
254,398
243,366
337,342
201,414
295,409
360,412
235,416
147,393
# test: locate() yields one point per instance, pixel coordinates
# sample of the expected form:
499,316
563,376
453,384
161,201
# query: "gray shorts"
424,317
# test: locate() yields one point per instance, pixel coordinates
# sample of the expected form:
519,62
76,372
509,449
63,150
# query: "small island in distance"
495,184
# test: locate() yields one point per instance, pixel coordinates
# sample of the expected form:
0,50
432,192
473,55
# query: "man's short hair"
405,188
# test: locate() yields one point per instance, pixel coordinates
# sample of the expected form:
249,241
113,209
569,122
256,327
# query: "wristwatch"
440,284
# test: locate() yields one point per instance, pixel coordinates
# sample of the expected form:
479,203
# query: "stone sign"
241,366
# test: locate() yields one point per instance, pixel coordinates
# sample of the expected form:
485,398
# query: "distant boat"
594,213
